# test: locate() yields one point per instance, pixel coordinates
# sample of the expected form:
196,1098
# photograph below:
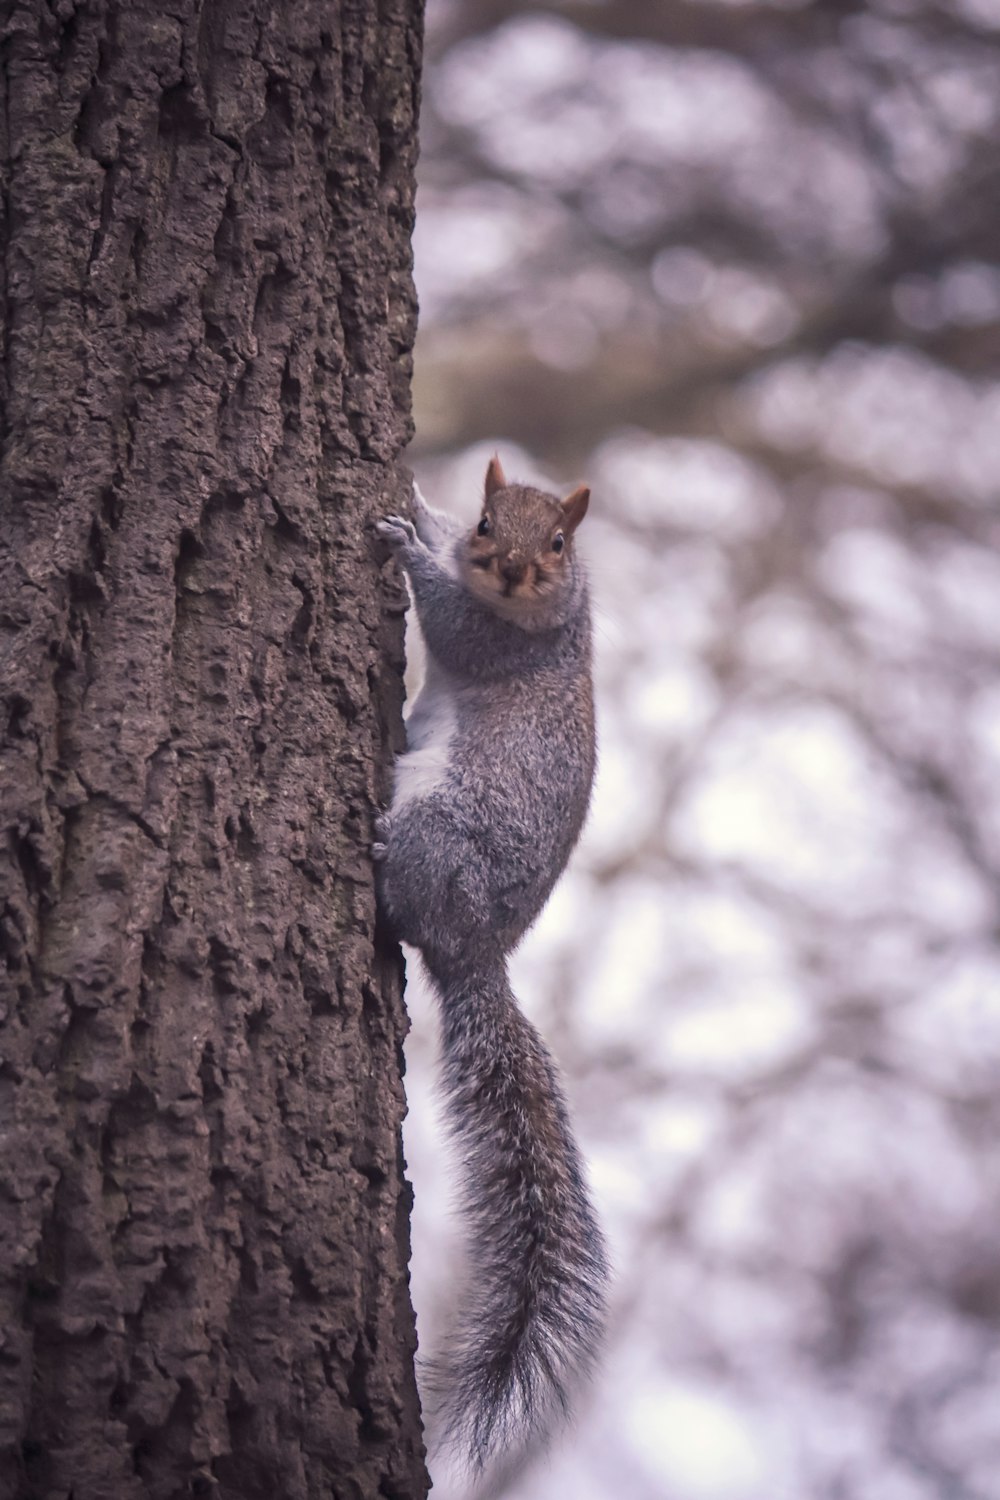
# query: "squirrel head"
519,558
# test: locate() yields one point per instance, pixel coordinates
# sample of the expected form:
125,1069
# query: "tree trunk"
208,317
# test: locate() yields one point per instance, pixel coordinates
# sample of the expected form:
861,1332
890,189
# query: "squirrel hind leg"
430,887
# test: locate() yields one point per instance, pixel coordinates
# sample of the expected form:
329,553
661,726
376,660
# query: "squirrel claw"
397,531
383,827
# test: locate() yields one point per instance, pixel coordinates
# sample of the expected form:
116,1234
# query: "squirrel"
488,803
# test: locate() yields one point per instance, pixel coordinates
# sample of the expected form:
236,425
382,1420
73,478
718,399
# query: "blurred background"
737,266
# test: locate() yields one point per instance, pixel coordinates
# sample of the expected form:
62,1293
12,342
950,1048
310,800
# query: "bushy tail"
531,1315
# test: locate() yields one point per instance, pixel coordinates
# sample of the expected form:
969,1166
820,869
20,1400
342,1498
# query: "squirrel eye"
558,542
483,529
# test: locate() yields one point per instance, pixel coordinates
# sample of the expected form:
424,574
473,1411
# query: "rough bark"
207,323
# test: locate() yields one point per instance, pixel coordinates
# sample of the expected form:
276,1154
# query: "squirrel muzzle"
512,571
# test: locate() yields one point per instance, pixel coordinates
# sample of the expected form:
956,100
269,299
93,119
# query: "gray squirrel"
489,801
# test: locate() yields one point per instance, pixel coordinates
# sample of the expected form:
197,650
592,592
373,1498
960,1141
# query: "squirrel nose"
513,571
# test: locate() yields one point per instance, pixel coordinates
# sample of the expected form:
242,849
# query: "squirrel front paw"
397,531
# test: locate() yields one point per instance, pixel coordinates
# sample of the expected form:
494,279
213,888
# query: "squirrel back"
489,802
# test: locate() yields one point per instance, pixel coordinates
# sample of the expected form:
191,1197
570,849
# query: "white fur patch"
429,730
437,530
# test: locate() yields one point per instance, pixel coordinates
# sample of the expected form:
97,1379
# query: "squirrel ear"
574,507
495,477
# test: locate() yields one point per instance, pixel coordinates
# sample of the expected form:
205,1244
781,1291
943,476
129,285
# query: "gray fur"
478,835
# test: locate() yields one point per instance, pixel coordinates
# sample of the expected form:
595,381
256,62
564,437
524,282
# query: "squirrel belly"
430,730
488,804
